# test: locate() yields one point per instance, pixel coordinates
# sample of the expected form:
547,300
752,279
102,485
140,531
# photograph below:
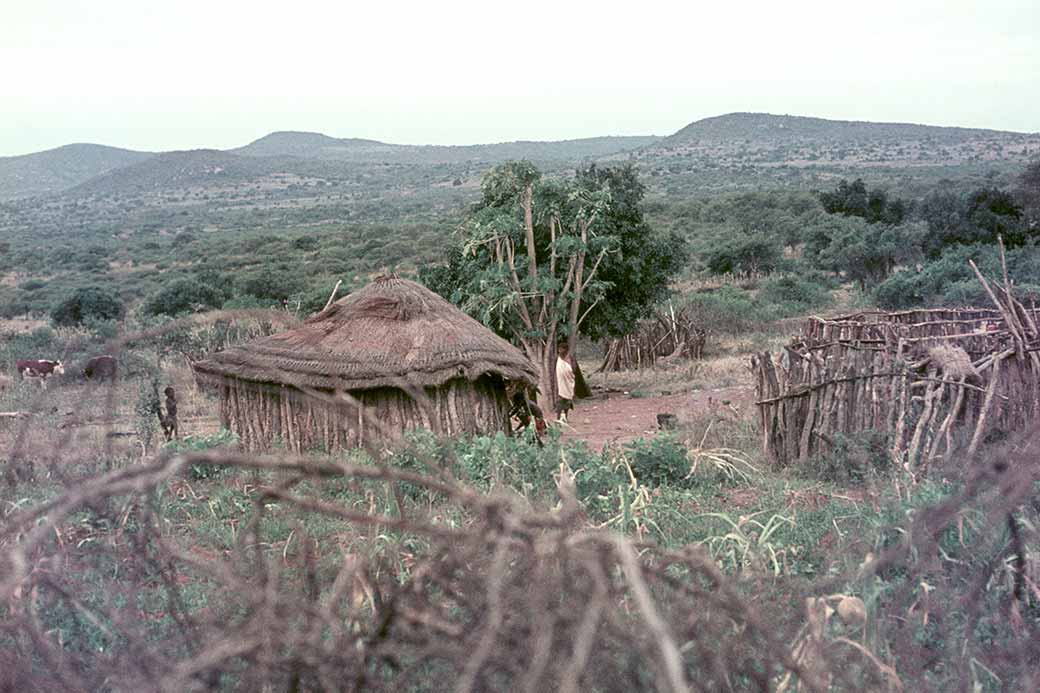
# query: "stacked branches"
934,381
668,336
509,598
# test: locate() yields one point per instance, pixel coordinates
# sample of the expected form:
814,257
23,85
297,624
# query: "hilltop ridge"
61,168
768,126
725,150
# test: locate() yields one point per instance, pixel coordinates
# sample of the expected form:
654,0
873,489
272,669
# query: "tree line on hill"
901,252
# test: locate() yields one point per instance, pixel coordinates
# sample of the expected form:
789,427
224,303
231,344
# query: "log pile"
934,381
668,336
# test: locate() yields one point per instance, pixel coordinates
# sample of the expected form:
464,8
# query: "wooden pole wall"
264,417
879,372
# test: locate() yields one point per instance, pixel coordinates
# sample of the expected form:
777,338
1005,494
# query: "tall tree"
542,260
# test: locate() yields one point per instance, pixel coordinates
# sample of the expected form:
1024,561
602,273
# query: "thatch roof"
391,333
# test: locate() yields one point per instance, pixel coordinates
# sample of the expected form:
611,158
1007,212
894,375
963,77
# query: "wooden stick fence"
670,334
934,382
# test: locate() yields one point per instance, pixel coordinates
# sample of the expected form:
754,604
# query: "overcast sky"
220,73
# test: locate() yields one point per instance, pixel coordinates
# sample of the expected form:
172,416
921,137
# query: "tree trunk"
581,388
543,356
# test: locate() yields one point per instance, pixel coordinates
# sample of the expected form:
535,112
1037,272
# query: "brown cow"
39,368
101,367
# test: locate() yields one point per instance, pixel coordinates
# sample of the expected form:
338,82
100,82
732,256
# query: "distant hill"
762,139
196,168
298,179
58,169
92,168
768,127
315,145
307,145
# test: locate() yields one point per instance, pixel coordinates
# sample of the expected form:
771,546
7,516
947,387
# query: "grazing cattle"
38,368
5,382
101,367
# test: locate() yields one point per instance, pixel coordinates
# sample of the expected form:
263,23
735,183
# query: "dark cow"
101,367
38,368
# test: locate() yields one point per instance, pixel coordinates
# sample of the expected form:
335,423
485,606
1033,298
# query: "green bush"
659,461
727,309
744,254
275,283
796,293
183,296
91,303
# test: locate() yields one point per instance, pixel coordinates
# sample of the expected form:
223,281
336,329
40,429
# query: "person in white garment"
564,382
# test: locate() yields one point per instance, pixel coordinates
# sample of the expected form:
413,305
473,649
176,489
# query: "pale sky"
181,74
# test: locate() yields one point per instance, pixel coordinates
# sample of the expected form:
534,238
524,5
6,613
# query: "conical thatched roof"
391,333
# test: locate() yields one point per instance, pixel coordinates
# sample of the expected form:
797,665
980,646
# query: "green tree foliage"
996,213
270,282
306,243
855,200
537,257
88,304
949,280
868,253
979,217
637,271
183,296
744,254
1028,195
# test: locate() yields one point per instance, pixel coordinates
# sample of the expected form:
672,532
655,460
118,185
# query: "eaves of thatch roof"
392,333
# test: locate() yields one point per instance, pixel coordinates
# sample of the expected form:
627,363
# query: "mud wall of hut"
934,382
264,416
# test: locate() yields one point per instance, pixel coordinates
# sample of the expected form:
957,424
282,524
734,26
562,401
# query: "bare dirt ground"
616,417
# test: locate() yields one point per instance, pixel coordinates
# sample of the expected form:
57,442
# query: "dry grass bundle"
952,361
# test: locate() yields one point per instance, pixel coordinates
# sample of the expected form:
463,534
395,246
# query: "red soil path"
615,417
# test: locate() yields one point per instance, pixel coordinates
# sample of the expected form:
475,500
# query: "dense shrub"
305,243
275,283
183,296
88,304
797,293
659,461
900,291
744,254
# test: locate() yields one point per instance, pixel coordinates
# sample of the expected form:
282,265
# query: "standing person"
564,382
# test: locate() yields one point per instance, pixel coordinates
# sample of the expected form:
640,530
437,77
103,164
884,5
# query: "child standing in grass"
564,382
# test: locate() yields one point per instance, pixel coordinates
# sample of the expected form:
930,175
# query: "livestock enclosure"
932,382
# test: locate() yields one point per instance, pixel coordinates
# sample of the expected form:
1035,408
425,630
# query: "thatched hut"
388,358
